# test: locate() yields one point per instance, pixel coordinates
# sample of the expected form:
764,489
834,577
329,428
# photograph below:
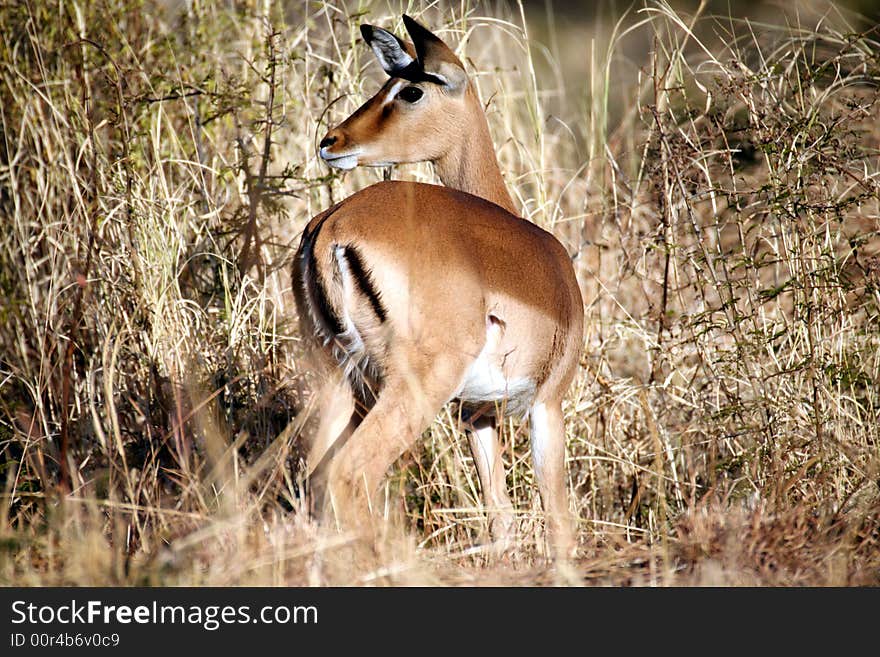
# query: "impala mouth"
345,161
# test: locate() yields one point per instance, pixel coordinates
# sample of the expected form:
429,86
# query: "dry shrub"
715,179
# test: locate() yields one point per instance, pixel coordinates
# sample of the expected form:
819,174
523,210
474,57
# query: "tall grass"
715,179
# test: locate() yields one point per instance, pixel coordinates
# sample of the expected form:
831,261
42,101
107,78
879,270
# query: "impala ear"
436,58
393,54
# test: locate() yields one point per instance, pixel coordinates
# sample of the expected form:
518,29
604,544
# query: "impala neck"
471,166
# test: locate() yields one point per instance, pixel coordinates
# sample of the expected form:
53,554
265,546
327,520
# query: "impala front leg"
548,454
486,451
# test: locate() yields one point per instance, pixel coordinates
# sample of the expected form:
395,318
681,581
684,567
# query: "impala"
421,294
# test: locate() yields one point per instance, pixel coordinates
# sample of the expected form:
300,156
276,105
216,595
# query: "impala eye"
410,94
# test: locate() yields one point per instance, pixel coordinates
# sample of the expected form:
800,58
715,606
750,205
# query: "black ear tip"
410,23
367,32
418,31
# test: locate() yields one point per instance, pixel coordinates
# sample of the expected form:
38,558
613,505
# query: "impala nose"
335,151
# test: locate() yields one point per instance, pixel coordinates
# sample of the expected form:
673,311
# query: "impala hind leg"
339,415
486,451
403,410
336,412
548,454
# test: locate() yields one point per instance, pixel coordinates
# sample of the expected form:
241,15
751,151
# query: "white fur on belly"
485,380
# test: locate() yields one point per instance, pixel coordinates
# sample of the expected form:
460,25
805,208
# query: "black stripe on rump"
364,281
316,295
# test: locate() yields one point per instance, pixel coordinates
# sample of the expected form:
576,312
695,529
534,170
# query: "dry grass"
716,180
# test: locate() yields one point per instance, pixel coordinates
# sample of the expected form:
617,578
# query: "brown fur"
422,278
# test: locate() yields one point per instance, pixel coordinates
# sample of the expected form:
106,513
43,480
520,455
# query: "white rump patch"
349,347
351,338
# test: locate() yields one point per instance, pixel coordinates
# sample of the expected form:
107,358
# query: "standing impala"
422,294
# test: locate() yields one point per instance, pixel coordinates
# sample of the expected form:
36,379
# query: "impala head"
417,115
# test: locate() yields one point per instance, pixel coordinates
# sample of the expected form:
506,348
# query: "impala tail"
330,292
